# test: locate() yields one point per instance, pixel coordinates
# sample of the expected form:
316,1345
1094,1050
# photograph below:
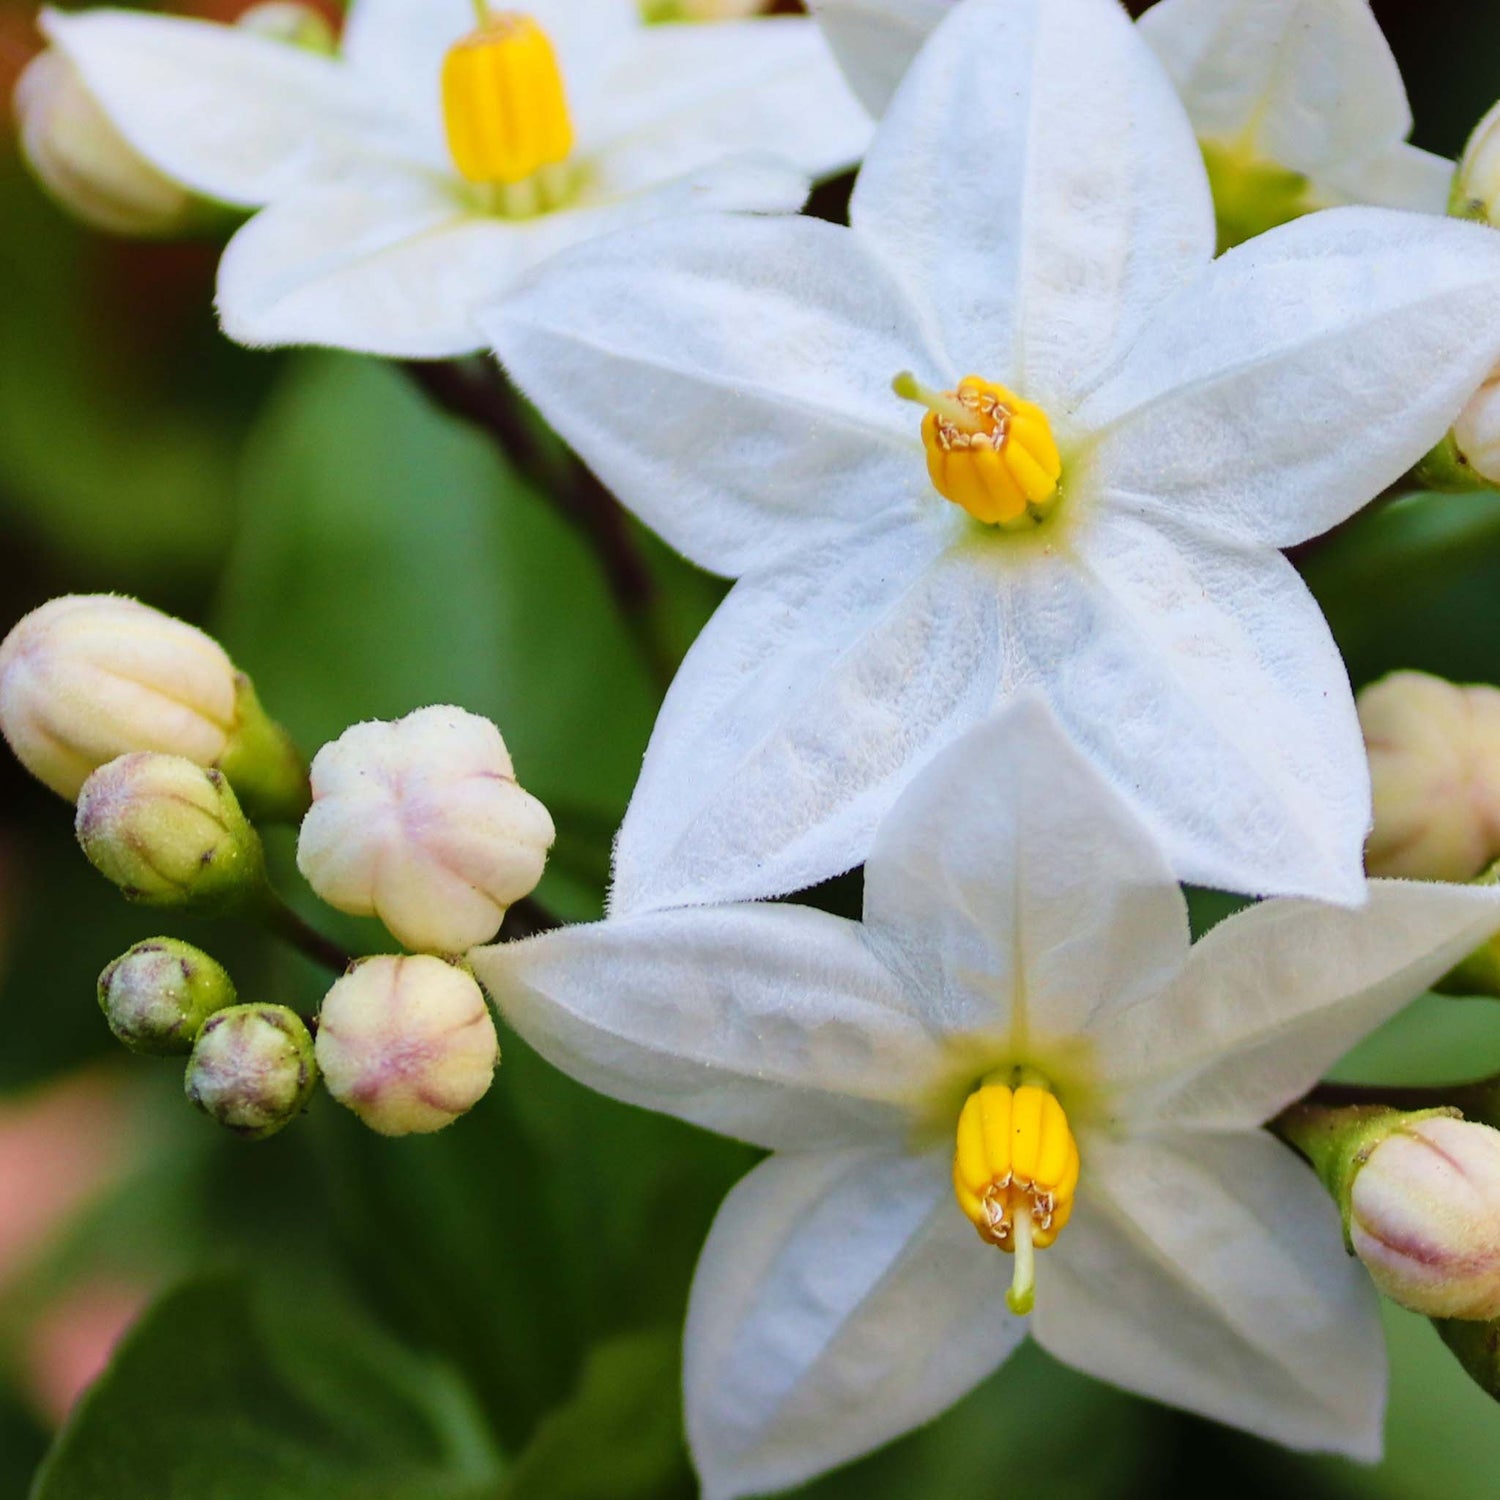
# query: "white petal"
682,96
1036,182
1273,996
1305,372
1402,177
1200,675
811,698
1015,886
232,115
1209,1272
1307,84
875,41
402,265
729,379
842,1299
774,1024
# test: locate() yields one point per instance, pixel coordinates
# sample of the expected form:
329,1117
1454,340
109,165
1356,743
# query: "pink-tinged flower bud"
252,1069
168,832
87,165
1424,1217
408,1044
1476,434
1434,751
421,823
158,996
89,677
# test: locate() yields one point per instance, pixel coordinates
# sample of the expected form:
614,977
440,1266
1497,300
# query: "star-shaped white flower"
1300,101
1020,928
369,236
1034,212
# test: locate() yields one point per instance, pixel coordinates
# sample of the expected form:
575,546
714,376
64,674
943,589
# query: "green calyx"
263,765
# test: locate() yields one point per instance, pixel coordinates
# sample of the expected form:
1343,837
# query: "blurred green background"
494,1311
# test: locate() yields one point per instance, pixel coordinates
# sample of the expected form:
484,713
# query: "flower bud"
1476,434
1476,188
169,833
158,996
407,1043
1434,751
87,165
664,12
296,25
421,823
88,677
252,1069
1424,1217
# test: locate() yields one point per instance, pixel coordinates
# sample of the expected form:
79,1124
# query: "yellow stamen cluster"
988,451
1015,1171
504,104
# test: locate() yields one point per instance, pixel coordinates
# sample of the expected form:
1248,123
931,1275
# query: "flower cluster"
1003,471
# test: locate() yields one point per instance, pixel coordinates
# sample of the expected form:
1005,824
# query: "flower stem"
478,392
281,920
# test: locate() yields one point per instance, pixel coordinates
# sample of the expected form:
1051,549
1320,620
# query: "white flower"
1476,433
370,237
422,823
731,380
1018,923
1297,101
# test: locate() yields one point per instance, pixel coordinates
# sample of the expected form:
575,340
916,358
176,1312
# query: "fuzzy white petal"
810,700
841,1300
1012,884
1199,673
1209,1272
728,378
1036,183
229,114
775,1024
402,264
680,96
875,41
1302,374
1273,996
1403,177
1310,85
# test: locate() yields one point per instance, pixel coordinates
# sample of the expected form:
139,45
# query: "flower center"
506,111
988,451
1015,1170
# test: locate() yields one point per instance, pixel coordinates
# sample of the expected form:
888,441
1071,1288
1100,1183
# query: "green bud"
1476,185
169,833
158,996
296,25
252,1069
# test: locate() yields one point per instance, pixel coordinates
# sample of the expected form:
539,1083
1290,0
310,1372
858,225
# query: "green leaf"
623,1421
225,1391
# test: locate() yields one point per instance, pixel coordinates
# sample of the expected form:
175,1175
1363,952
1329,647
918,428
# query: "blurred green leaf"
1436,1039
225,1391
622,1422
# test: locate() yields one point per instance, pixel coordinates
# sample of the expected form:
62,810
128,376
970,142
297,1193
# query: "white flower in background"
1017,1039
1114,523
1298,104
1476,434
415,177
422,823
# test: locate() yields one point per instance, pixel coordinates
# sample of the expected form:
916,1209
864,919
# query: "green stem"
280,919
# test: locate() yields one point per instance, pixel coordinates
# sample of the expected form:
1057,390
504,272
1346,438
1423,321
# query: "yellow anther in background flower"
503,101
1015,1171
988,450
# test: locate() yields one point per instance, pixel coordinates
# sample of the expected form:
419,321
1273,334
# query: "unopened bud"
252,1069
158,996
87,165
1476,188
88,677
1434,751
421,823
407,1043
296,25
169,833
1476,434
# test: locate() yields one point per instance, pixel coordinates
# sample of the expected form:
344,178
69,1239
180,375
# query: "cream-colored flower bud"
1476,188
1424,1217
89,677
86,164
421,823
1476,434
407,1043
1434,751
252,1069
286,21
169,832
